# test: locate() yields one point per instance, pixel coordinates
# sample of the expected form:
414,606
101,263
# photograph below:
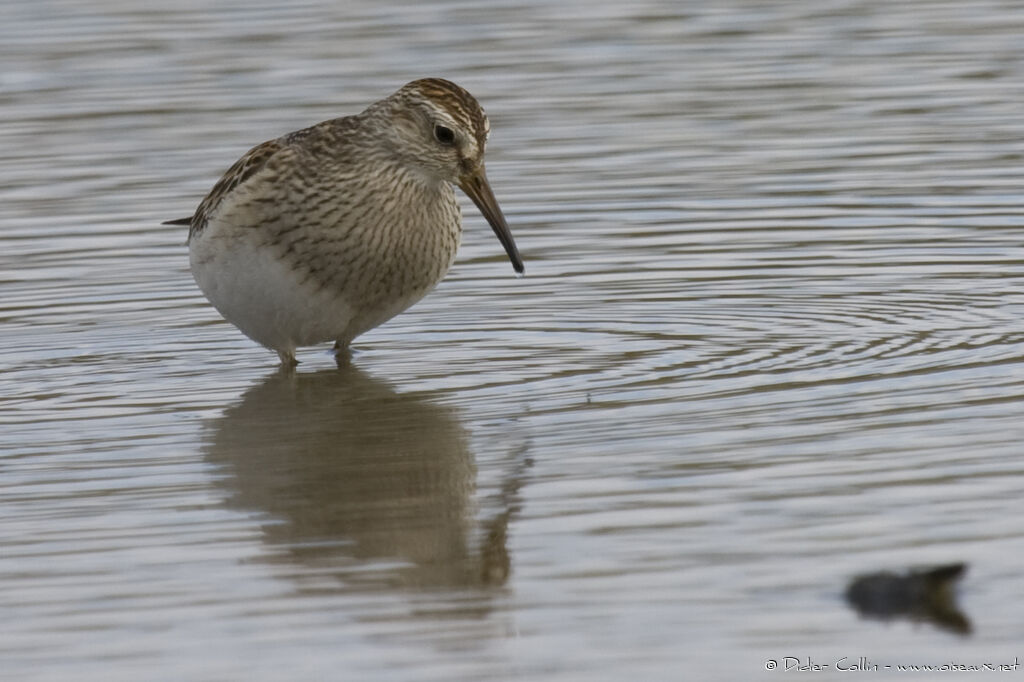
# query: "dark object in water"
922,595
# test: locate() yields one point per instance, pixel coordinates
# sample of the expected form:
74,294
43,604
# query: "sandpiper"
329,231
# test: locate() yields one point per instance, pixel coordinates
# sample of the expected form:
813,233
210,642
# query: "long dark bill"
475,185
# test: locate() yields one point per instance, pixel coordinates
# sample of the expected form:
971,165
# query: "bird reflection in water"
362,484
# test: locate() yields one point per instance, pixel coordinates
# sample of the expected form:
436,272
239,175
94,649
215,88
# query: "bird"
329,231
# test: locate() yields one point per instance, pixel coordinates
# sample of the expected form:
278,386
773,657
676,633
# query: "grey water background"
771,337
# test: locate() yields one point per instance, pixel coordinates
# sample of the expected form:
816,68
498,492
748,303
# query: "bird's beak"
474,183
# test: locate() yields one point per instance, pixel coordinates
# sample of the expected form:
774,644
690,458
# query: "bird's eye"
444,135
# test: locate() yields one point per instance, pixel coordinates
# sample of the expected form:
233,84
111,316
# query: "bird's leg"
287,358
342,353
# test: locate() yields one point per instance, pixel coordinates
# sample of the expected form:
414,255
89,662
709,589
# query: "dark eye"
444,135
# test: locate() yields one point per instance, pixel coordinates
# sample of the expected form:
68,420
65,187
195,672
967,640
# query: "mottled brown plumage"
329,231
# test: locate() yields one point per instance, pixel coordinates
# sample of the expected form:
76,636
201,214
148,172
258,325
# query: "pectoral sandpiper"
327,232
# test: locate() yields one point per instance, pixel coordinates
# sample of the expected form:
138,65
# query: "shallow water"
770,337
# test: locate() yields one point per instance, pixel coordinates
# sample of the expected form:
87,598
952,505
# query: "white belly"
266,299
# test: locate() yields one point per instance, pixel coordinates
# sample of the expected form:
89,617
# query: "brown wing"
243,169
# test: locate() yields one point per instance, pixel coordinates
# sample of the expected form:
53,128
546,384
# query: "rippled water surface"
770,338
